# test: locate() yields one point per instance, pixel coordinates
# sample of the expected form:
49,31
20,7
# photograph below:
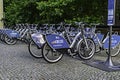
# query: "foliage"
55,11
22,11
52,11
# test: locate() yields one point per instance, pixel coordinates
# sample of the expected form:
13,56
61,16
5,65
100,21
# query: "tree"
54,11
23,11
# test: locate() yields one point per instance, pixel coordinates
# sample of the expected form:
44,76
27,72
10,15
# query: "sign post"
108,64
111,12
110,23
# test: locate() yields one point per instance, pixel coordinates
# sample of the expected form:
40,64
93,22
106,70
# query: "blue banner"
111,12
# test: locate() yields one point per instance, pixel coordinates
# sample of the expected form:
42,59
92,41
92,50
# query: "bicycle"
56,44
37,41
23,30
103,43
35,46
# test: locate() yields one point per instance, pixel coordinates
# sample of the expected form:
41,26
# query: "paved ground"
17,64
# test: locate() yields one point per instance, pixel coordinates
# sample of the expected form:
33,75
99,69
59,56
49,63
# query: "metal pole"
108,64
109,59
1,13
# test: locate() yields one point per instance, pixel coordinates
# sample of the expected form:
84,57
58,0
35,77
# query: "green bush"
55,11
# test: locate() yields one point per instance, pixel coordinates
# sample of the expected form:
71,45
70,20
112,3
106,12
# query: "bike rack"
107,65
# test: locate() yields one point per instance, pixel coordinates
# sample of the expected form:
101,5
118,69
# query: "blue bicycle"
102,41
56,45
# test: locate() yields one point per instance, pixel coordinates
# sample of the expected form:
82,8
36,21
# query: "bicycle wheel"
34,50
85,53
2,36
9,40
49,55
115,51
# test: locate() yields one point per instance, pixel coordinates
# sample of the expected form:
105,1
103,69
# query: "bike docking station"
108,64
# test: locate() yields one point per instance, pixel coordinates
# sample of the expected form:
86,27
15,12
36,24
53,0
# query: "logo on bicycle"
57,37
57,42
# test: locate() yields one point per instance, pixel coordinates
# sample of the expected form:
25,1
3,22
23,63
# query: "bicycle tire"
82,50
34,50
9,40
115,51
2,37
46,53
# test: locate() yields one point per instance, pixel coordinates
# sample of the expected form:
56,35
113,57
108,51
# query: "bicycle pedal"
73,56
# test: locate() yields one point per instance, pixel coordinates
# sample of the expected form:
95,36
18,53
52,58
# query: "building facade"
1,13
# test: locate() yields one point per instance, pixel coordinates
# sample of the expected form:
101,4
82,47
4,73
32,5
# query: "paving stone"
17,64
